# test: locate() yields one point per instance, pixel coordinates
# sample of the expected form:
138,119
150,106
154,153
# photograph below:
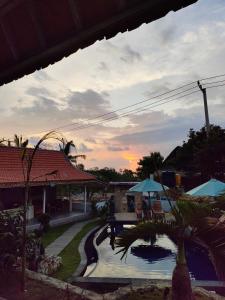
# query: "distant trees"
110,174
200,154
149,164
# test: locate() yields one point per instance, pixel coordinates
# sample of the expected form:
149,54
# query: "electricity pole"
207,125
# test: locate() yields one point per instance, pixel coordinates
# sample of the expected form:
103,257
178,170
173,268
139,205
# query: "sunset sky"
111,74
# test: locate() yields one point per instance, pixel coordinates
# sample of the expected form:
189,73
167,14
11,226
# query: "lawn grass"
54,233
70,254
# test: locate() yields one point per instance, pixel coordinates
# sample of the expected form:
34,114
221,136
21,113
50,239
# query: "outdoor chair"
139,211
157,210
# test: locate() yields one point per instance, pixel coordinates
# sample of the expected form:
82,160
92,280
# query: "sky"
135,66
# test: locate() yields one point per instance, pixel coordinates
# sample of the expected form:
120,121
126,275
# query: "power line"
210,87
150,104
138,103
123,108
134,111
218,81
216,76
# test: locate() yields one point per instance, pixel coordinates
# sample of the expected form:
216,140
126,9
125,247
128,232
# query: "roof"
34,34
210,188
123,183
44,163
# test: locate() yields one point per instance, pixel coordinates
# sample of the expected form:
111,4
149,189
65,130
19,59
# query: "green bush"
44,219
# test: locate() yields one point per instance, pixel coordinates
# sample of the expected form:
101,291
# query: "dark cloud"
129,55
117,148
103,66
37,91
88,104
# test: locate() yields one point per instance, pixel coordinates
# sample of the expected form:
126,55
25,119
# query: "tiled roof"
34,34
44,163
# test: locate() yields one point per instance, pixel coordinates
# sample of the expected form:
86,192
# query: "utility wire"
134,110
140,102
144,108
123,108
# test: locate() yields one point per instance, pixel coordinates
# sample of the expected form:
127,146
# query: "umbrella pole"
150,206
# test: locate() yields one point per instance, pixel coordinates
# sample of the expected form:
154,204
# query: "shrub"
49,264
44,219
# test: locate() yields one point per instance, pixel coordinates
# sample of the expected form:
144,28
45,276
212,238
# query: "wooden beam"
33,13
10,40
6,6
75,14
121,4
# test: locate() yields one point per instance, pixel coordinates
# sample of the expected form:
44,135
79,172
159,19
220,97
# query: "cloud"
117,148
82,148
91,140
103,66
129,55
42,75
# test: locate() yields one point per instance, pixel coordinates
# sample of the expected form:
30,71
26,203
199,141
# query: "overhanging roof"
49,167
36,33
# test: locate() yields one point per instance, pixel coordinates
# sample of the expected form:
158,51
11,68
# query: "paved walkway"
60,220
61,242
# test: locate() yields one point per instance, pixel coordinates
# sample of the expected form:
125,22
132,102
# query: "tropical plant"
66,147
44,220
19,142
191,221
27,158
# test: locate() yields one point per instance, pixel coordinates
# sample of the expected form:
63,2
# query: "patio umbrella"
210,188
148,185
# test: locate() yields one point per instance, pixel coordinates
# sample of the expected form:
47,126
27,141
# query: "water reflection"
151,253
153,259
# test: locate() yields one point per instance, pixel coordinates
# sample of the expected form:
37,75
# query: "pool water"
156,261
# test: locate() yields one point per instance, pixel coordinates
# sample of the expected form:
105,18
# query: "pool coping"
83,257
140,281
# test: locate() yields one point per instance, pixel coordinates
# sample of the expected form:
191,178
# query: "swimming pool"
144,260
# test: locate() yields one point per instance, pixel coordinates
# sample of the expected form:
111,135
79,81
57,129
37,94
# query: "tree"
200,153
149,164
66,147
18,141
191,221
27,158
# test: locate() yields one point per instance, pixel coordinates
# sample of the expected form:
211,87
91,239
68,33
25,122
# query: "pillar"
44,200
85,199
70,200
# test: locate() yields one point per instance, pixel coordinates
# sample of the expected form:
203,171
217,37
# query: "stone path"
61,242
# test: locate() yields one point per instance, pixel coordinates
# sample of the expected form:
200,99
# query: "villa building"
51,173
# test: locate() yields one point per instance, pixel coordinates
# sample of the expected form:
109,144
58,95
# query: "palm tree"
18,141
66,147
190,221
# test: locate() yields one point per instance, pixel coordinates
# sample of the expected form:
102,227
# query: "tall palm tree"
66,147
190,221
19,142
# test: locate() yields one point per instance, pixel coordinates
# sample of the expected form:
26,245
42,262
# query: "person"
145,208
111,206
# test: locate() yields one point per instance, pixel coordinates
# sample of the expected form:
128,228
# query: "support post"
70,200
85,199
44,200
207,125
